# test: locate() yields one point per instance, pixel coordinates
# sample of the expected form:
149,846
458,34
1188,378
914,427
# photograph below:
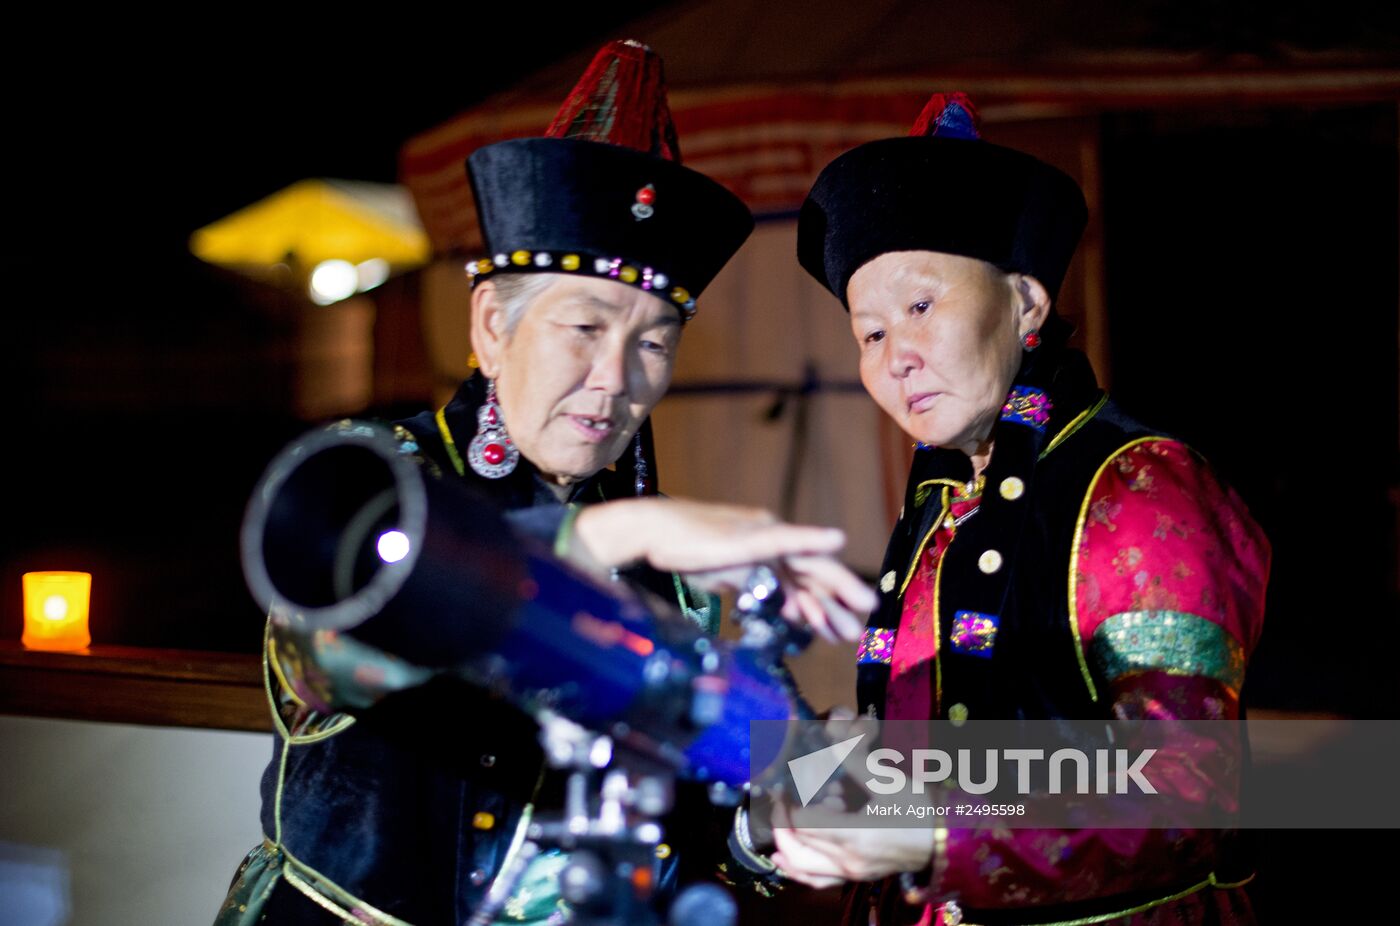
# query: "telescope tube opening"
335,528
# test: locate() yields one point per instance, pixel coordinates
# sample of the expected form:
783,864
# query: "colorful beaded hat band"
604,194
613,268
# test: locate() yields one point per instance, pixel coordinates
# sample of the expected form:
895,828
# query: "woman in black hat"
399,795
1054,557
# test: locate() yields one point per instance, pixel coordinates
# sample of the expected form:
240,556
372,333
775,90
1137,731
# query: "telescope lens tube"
346,532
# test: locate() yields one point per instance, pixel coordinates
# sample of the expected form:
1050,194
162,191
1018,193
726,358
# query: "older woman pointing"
1054,558
397,794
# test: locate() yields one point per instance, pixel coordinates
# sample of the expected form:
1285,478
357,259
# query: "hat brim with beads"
941,189
603,195
567,206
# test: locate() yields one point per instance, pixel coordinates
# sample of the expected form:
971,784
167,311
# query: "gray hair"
516,291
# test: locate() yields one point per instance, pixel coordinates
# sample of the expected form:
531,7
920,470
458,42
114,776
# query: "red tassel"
927,123
621,99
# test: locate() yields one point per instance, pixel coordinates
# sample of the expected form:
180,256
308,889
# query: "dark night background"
152,388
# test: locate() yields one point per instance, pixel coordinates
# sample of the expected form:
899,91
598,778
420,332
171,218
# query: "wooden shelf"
124,684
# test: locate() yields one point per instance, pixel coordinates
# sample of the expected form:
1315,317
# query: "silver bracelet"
949,913
914,894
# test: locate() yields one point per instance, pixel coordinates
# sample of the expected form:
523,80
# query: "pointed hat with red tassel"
621,99
604,194
940,189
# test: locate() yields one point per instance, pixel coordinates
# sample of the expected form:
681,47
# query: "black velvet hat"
941,189
604,193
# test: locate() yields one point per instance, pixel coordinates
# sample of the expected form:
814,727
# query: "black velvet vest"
393,807
1035,669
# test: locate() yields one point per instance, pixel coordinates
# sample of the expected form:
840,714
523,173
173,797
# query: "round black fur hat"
948,191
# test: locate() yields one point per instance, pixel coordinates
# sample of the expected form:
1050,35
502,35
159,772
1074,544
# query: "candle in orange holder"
56,610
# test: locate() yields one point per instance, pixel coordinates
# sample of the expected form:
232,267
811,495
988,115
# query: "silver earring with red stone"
491,453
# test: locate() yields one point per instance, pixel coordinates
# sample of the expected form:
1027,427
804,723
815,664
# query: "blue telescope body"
471,596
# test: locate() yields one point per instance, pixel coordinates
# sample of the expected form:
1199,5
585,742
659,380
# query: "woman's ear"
488,328
1033,304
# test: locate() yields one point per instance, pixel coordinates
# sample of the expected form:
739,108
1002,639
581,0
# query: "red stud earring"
1030,340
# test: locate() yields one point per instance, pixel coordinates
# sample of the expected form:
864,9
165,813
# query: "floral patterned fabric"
1169,568
974,633
912,685
330,672
876,645
1167,594
1027,406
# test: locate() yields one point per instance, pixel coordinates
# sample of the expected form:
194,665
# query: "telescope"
349,531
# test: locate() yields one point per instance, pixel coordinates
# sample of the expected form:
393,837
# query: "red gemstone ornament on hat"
642,208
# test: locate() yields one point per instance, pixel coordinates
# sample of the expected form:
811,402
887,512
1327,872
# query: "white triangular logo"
811,772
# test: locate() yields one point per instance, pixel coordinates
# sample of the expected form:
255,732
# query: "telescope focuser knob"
759,612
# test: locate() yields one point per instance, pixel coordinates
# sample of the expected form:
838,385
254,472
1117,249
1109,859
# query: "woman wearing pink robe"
1054,558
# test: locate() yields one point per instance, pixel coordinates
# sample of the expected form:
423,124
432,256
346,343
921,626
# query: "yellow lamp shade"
317,221
56,610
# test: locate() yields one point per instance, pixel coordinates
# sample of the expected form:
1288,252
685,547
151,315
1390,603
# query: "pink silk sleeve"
1169,570
1168,582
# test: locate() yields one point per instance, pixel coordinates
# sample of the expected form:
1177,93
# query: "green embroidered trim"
1170,641
360,675
566,531
918,554
340,671
1075,424
1211,881
330,896
301,723
705,616
925,489
251,887
449,443
537,897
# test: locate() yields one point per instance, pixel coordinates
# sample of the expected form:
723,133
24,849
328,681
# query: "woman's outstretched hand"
717,545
